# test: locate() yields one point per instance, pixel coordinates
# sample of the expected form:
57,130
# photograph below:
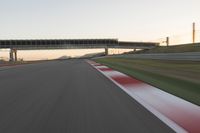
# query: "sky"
127,20
137,20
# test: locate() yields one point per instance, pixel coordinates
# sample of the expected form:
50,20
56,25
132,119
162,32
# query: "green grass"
179,78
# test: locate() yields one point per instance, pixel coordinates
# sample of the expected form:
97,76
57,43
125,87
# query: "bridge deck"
73,44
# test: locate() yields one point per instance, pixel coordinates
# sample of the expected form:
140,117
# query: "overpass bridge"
15,45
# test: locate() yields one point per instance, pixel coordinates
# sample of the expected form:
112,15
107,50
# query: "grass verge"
176,77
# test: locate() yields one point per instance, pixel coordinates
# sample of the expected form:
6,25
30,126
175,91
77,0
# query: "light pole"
193,32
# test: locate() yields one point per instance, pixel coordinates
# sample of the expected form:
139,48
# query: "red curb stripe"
180,115
126,80
185,119
98,65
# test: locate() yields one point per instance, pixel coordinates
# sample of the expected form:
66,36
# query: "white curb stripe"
156,101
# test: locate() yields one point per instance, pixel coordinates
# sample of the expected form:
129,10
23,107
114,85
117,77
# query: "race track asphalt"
68,96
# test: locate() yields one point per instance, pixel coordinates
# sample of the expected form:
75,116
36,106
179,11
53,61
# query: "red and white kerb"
182,116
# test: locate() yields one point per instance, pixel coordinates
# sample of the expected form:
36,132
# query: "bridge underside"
71,44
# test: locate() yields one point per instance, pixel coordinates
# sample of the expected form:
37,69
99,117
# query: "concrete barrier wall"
192,56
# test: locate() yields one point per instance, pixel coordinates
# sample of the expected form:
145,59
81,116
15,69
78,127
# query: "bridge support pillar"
106,51
13,55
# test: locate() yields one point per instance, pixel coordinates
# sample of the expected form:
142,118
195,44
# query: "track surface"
68,97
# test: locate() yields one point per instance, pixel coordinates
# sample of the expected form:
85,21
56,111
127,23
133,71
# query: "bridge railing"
58,43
